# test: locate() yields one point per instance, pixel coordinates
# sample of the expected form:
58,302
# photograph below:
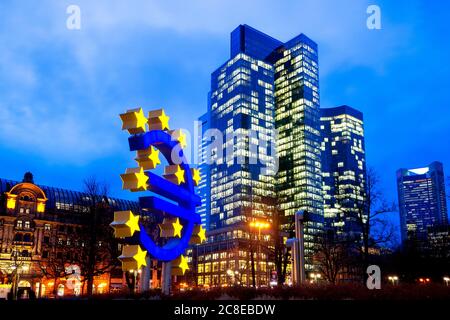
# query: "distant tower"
422,202
343,169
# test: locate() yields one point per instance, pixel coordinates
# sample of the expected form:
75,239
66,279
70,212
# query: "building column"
145,276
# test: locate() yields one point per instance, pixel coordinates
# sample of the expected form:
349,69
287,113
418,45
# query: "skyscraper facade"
204,187
265,85
240,167
297,119
343,169
422,201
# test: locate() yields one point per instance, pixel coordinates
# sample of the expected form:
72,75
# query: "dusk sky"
61,90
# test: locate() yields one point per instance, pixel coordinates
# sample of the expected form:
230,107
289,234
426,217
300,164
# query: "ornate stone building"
43,239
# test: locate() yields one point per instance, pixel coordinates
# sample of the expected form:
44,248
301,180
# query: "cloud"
61,90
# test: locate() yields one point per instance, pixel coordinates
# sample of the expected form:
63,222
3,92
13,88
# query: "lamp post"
297,245
135,274
15,275
259,225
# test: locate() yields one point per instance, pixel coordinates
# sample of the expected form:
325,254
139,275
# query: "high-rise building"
265,85
240,173
422,201
204,187
343,169
297,119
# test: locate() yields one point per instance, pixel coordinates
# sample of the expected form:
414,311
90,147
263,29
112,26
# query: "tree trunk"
55,287
253,267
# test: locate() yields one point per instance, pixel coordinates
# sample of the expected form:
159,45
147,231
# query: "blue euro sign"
184,195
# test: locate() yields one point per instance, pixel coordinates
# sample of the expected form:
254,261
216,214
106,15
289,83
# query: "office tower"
241,175
265,84
422,202
297,119
204,187
343,170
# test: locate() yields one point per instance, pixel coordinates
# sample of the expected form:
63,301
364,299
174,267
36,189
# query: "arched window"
27,197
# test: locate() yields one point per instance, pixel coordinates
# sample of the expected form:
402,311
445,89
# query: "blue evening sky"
61,90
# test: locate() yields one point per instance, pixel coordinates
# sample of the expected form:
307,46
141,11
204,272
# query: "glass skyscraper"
297,119
343,169
422,201
204,186
237,163
265,85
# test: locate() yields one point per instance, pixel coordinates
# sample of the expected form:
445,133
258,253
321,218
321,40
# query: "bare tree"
53,266
97,247
280,253
368,212
332,256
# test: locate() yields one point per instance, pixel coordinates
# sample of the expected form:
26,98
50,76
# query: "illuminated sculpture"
181,225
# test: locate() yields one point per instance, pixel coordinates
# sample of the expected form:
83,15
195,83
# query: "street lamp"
315,277
259,225
446,280
393,279
135,274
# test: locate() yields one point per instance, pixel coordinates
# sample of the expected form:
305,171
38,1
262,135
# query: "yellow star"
180,265
175,174
180,136
134,179
202,234
196,176
177,227
171,227
125,224
134,121
148,158
158,120
198,235
133,257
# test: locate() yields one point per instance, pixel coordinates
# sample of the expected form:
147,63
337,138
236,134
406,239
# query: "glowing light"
40,207
420,170
259,225
11,202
